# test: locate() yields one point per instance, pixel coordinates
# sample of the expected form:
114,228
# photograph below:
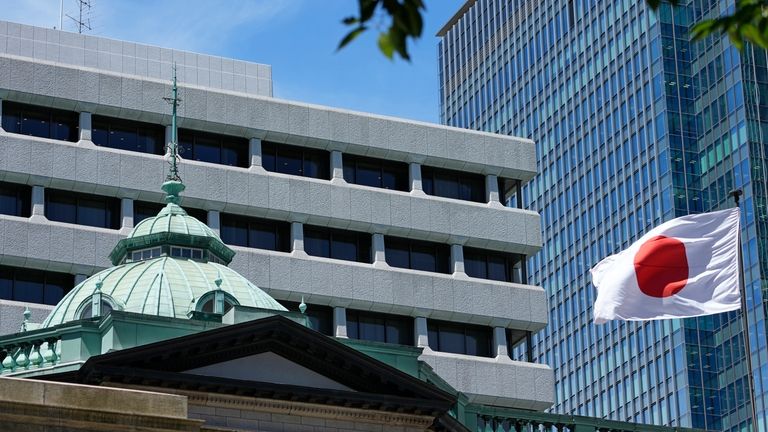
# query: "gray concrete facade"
134,93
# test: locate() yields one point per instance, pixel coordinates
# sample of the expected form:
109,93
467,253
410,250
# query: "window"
145,254
320,317
459,338
300,161
337,244
494,265
185,252
256,233
15,199
417,255
143,210
511,192
378,327
519,345
40,121
34,286
128,135
207,302
106,309
378,173
214,148
82,209
453,184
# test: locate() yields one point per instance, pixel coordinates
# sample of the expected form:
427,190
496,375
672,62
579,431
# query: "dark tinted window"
300,161
82,209
320,317
378,327
510,192
40,121
453,184
337,244
417,255
378,173
494,265
128,135
256,233
519,345
460,338
15,199
145,209
34,286
214,148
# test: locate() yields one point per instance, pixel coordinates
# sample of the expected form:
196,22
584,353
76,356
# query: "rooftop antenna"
82,23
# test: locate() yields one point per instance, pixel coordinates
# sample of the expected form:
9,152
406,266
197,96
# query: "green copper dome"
164,286
170,265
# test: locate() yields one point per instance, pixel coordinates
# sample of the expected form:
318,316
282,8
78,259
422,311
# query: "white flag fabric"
683,268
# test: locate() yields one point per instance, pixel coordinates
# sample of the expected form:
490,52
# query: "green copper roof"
163,286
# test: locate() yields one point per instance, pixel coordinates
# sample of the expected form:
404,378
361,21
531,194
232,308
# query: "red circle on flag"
661,267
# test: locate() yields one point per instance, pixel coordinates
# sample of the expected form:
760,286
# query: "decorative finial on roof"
302,305
27,314
218,280
99,284
173,185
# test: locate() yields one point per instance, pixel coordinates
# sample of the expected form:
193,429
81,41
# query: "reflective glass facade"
634,124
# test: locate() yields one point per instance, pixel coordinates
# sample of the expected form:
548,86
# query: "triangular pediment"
268,367
271,357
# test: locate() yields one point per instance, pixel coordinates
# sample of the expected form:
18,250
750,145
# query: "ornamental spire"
173,185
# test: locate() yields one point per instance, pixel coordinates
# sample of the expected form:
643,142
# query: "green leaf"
385,45
351,36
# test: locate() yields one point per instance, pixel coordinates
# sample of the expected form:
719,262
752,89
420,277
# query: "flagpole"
736,194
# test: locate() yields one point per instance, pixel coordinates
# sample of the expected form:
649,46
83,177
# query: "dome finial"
302,305
173,185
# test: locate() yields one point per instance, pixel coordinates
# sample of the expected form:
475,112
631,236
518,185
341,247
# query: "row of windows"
234,151
443,336
104,212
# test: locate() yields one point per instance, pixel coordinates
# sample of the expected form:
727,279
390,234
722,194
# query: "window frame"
510,260
21,194
142,130
442,253
463,180
188,142
17,110
271,152
363,242
111,207
353,318
435,326
65,281
399,170
280,229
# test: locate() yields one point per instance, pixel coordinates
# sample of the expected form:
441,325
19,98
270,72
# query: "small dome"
172,219
164,286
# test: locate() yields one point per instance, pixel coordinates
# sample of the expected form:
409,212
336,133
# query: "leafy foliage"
405,22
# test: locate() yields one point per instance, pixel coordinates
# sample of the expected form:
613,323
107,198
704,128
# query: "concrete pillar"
500,342
214,221
457,258
340,322
492,189
254,148
80,278
379,255
126,213
337,166
38,201
297,237
414,176
420,332
86,126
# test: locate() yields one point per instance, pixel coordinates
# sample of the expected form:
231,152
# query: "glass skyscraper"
634,125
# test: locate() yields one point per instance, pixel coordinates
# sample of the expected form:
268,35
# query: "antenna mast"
173,146
82,23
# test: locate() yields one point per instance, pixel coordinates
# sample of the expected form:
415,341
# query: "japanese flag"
683,268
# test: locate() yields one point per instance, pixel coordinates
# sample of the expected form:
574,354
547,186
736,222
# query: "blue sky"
297,37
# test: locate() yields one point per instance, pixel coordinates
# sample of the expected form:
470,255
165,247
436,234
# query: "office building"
391,232
634,124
